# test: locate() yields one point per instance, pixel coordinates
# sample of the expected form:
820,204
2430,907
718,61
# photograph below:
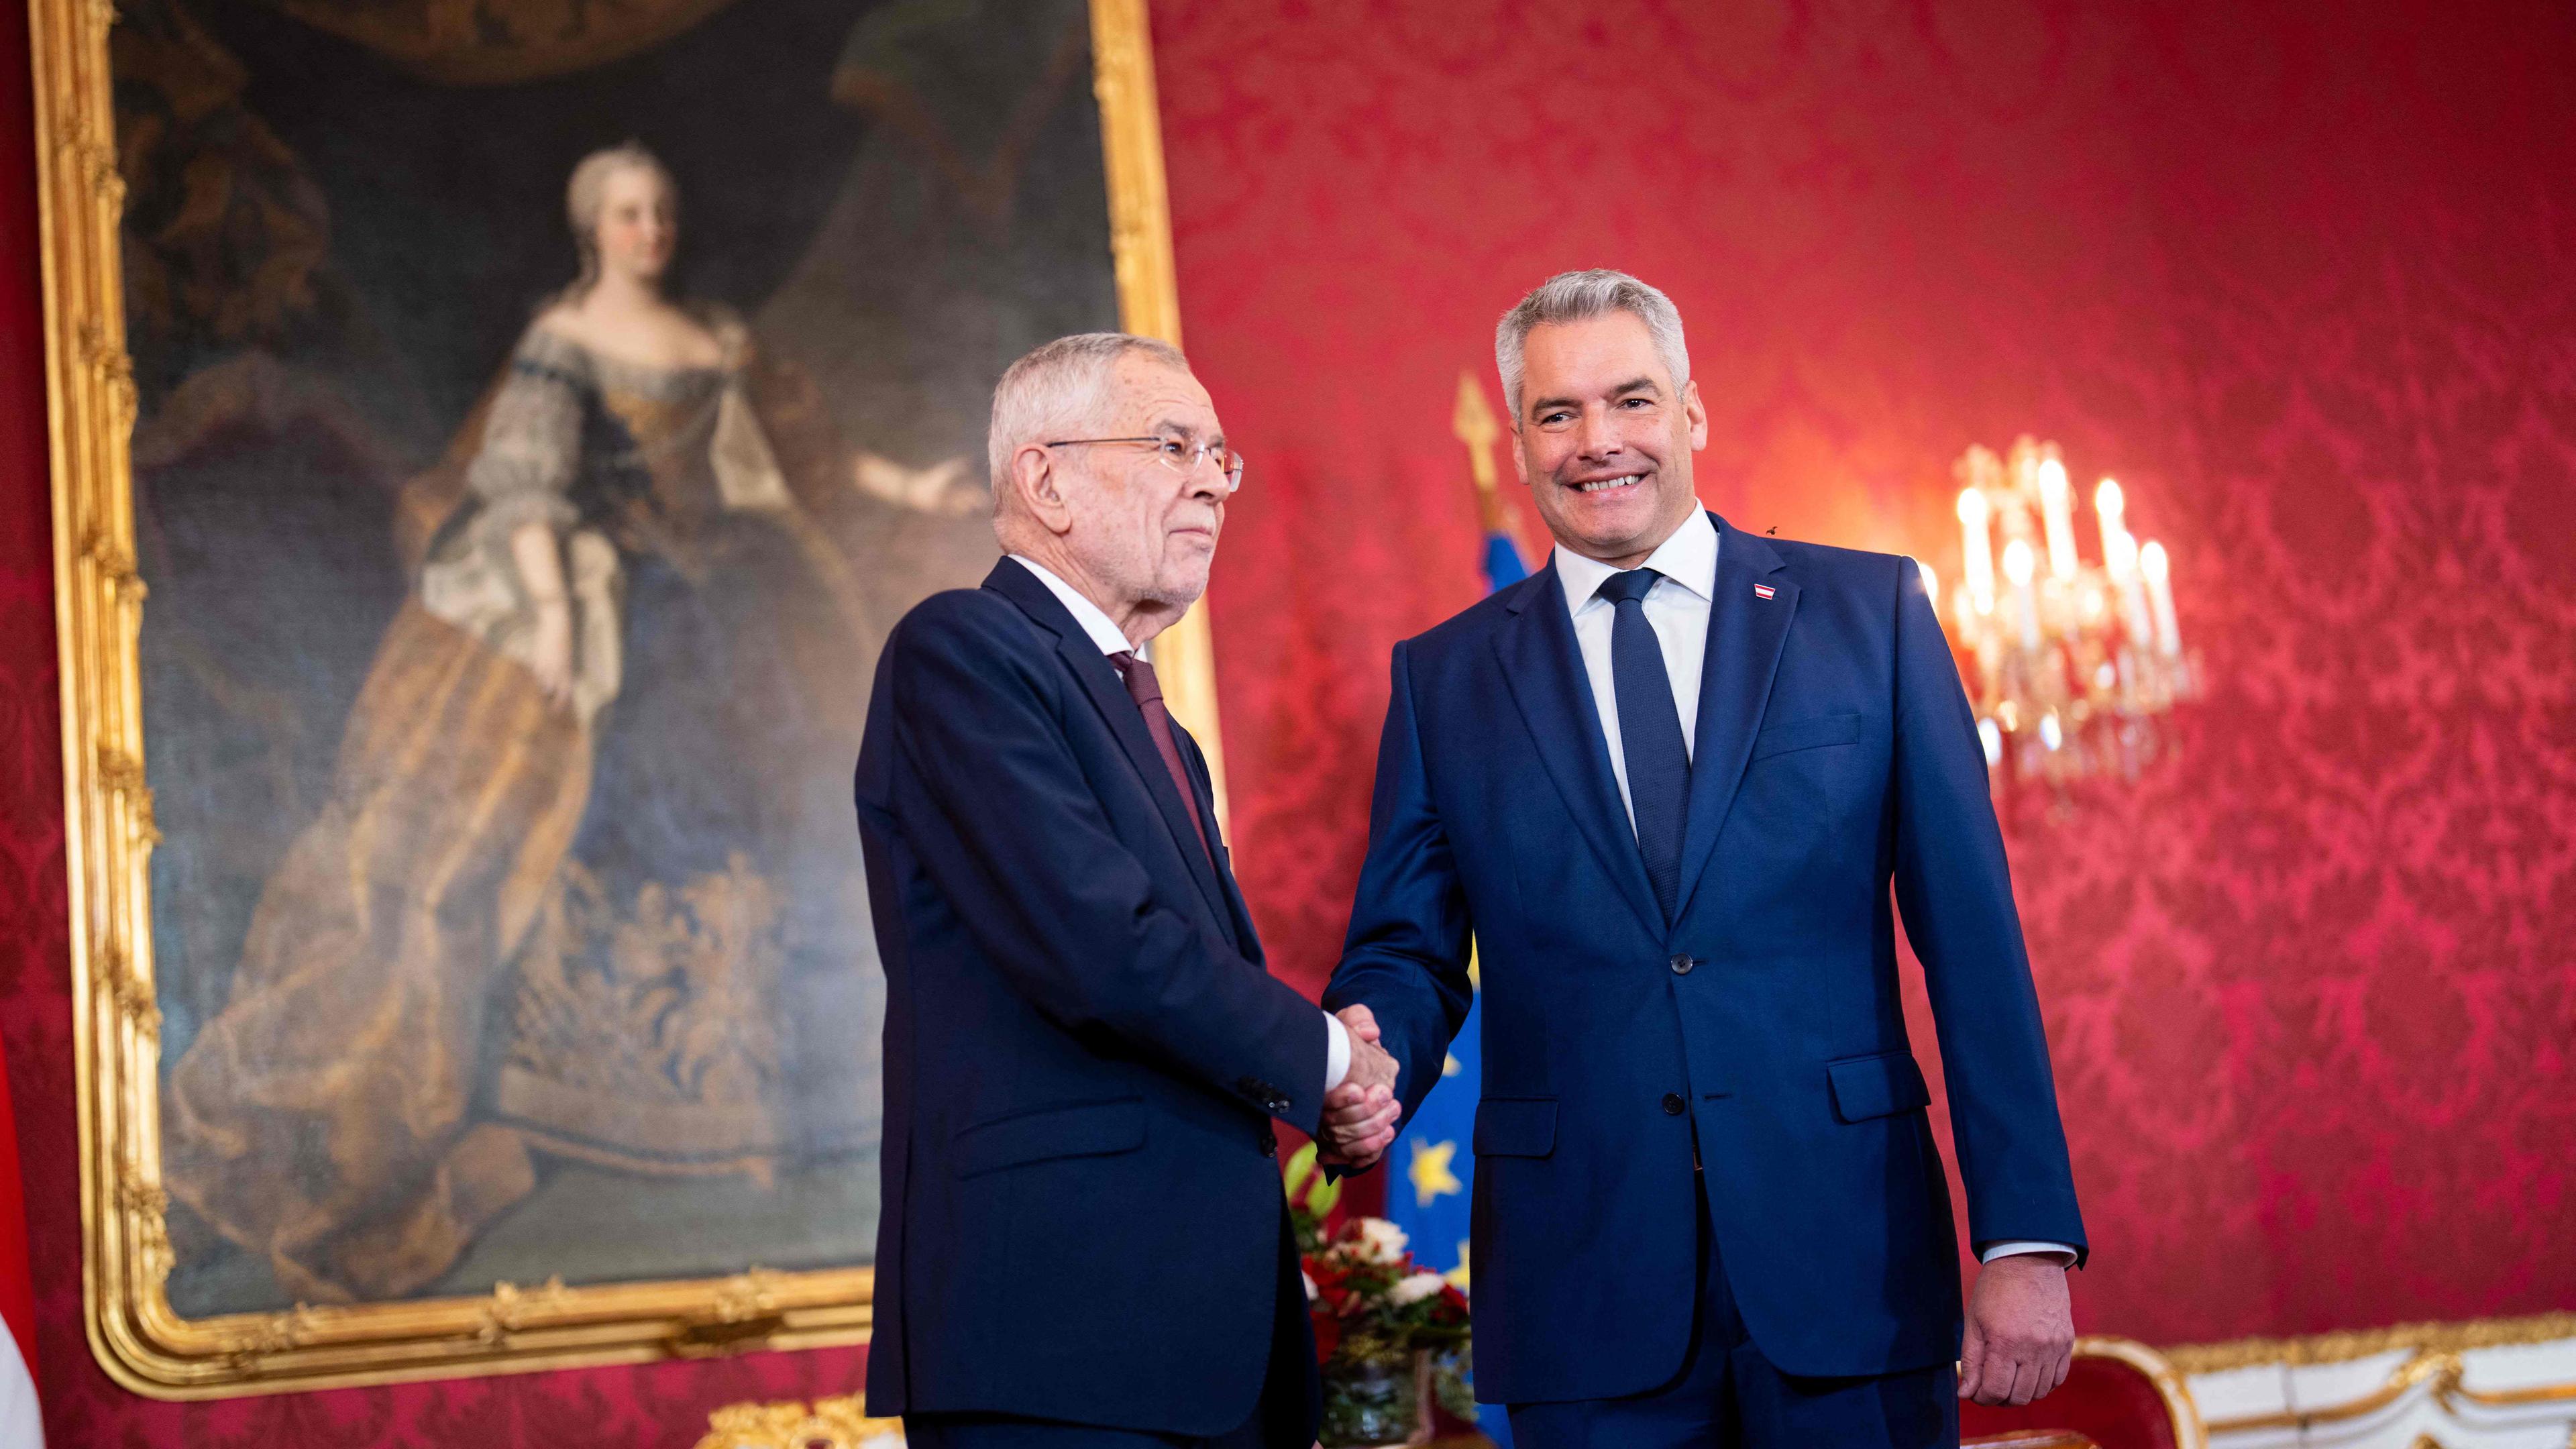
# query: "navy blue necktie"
1650,734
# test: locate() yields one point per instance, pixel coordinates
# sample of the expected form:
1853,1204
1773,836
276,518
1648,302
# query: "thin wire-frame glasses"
1180,456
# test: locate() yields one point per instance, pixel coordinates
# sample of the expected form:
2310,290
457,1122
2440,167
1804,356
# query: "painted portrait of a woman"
545,913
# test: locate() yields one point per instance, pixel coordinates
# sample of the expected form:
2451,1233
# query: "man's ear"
1520,460
1696,413
1039,486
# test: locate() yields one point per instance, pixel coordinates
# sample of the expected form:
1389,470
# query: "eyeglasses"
1180,456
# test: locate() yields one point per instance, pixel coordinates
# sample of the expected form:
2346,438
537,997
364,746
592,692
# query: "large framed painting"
491,441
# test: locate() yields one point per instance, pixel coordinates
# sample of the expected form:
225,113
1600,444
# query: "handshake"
1359,1115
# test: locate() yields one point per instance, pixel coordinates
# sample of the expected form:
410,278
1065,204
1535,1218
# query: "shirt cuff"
2062,1252
1337,1051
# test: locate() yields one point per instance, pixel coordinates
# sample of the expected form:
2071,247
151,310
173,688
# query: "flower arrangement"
1386,1329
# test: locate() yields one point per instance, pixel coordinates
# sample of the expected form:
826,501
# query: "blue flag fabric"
1434,1166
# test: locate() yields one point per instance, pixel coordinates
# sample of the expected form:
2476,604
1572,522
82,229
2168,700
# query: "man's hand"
1359,1115
2021,1331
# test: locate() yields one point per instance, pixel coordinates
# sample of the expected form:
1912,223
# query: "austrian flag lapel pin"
1764,591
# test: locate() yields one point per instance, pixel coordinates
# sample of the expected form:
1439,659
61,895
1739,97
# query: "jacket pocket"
1807,734
1043,1134
1879,1086
1515,1127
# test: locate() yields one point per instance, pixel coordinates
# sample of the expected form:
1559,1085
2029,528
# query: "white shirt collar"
1093,619
1688,558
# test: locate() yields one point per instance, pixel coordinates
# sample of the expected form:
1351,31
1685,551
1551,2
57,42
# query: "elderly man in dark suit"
1668,783
1084,1241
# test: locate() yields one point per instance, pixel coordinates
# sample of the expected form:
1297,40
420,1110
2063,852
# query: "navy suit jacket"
1082,1214
1835,754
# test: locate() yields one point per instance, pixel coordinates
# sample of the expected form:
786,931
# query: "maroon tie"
1147,691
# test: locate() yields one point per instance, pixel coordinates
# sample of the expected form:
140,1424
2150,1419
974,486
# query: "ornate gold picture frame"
139,1338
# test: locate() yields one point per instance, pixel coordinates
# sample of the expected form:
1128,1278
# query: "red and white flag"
21,1427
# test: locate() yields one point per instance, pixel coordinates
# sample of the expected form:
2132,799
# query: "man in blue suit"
1084,1243
1666,784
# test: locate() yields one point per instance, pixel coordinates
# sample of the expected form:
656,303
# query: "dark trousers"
1729,1395
1283,1417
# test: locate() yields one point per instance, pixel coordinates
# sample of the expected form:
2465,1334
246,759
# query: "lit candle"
2110,507
2057,513
2018,567
1976,550
2151,563
2120,559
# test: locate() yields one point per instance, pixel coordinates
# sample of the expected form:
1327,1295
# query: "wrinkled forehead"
1146,395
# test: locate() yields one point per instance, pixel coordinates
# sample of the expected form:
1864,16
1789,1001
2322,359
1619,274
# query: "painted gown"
522,927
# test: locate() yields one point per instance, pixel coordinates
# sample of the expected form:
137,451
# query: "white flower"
1413,1288
1312,1293
1378,1241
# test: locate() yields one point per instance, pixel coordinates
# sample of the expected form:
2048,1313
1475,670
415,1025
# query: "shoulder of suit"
965,621
1815,564
1478,620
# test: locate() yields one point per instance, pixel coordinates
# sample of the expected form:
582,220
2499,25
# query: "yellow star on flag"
1430,1172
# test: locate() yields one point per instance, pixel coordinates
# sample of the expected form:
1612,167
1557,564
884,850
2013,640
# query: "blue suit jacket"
1835,754
1082,1215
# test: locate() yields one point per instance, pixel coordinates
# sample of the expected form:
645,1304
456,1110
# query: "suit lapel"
1543,668
1745,635
1099,680
1246,939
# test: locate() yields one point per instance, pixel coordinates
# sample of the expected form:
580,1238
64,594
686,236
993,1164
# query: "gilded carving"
511,1308
2350,1344
2436,1366
835,1423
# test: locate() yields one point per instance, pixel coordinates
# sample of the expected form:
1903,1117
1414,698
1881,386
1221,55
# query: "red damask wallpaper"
2300,276
2303,277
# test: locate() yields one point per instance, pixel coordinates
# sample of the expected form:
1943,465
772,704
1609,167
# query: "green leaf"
1300,1167
1325,1193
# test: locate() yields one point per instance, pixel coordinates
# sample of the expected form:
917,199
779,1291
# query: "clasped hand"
1359,1115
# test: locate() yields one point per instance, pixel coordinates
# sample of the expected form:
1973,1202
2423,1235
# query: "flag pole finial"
1474,424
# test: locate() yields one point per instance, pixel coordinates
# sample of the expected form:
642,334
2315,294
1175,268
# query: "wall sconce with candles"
2071,665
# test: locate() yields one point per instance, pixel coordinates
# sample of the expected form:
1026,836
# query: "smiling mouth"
1608,485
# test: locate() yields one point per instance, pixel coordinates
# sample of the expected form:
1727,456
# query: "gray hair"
1579,297
1057,390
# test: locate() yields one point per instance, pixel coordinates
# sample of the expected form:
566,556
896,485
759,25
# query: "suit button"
1682,965
1673,1104
1269,1143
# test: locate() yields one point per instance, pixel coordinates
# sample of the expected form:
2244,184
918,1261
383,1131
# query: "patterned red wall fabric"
2301,278
2304,278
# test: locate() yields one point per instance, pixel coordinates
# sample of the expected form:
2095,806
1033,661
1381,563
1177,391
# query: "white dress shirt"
1096,623
1677,606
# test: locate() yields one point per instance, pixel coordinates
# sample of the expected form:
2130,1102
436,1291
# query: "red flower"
1328,1334
1332,1286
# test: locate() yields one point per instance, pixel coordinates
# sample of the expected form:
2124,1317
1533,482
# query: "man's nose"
1206,480
1596,437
